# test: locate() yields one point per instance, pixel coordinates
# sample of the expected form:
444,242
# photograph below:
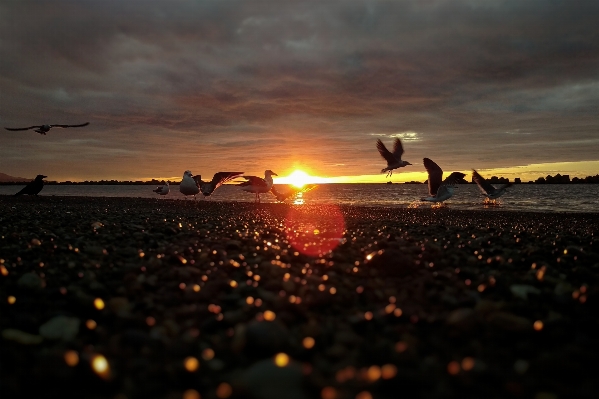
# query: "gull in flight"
487,188
163,190
34,187
393,158
220,178
293,191
439,190
43,129
188,185
258,185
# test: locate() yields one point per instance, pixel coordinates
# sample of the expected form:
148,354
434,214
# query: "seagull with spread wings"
43,129
220,178
292,191
258,185
487,188
393,158
439,190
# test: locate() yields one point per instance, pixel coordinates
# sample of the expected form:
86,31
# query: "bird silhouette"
34,187
258,185
439,189
219,178
393,158
43,129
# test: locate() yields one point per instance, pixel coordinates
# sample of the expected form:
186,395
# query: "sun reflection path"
314,231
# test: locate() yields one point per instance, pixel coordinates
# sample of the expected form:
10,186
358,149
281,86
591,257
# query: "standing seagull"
487,188
258,185
393,158
220,178
439,189
163,190
188,185
293,191
34,187
43,129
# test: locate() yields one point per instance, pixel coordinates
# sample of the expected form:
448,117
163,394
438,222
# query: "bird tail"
19,193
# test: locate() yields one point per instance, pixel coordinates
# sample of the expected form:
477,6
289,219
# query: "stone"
265,380
30,281
60,328
21,337
522,290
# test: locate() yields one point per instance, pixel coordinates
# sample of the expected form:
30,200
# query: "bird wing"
453,178
484,186
390,158
435,176
221,178
254,181
506,185
65,126
397,149
308,187
22,128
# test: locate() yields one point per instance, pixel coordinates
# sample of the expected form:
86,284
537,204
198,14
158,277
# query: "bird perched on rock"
393,158
43,129
487,188
219,178
34,187
258,185
439,189
163,190
188,185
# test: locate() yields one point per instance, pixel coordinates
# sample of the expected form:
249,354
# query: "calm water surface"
523,197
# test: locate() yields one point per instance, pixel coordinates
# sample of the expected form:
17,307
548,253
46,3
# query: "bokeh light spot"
314,231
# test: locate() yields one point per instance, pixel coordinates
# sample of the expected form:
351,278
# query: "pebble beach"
156,298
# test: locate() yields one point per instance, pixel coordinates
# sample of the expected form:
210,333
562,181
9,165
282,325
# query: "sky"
509,87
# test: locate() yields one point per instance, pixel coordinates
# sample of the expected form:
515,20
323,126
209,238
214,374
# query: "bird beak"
43,177
274,174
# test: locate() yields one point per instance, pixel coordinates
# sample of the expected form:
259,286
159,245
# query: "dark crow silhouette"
34,187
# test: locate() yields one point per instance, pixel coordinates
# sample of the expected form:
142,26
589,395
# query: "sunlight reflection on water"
521,197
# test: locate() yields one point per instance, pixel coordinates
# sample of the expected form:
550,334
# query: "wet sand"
186,299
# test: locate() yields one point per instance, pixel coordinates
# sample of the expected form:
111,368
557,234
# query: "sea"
521,197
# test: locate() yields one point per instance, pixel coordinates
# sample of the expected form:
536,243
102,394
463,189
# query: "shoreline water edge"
130,298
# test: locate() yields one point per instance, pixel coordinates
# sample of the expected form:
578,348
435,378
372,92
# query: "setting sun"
299,178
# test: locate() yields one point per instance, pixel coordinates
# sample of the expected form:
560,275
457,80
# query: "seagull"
43,129
258,185
393,158
486,188
293,191
163,190
188,185
34,187
220,178
438,189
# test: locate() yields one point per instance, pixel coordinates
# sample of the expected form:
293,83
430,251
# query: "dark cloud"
480,82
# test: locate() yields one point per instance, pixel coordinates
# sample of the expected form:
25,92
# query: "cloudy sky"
500,86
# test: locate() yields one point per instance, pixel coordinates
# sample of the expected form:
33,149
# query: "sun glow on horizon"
298,178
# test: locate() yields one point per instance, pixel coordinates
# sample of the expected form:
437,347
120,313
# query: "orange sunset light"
299,178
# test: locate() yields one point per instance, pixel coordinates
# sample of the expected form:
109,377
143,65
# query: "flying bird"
43,129
188,185
163,190
439,190
487,188
393,158
220,178
34,187
258,185
293,191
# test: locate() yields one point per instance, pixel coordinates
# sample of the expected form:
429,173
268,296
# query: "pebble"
60,328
